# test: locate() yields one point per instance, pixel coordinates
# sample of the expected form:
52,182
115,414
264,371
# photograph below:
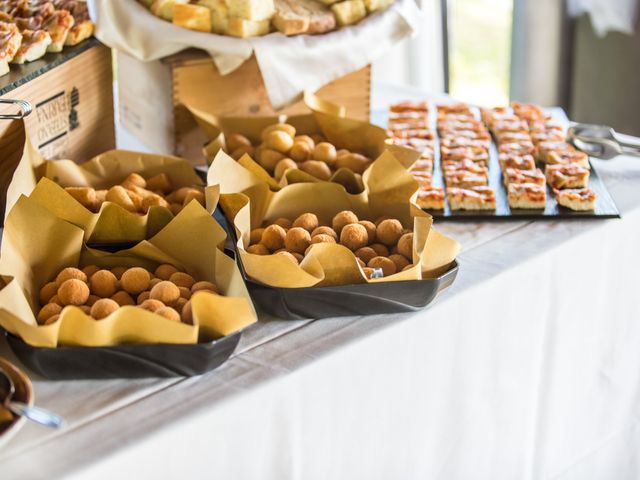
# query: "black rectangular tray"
341,300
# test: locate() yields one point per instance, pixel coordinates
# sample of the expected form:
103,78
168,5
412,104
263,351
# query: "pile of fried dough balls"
384,244
281,150
100,292
137,194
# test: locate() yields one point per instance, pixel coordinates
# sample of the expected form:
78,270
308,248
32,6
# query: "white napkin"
289,65
607,15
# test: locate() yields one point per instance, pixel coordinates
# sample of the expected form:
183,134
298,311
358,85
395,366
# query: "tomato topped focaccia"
527,195
569,175
515,175
581,199
431,198
474,198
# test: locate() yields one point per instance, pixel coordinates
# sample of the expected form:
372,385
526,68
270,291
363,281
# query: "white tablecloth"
527,368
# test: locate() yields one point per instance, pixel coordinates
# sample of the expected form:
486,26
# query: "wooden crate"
192,78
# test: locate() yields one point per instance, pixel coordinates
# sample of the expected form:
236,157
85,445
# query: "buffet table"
527,367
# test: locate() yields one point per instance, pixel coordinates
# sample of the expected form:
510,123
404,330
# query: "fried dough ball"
379,220
122,298
194,194
282,166
371,229
153,200
135,280
283,127
52,319
103,308
47,292
48,311
354,236
299,256
182,279
118,195
180,304
103,283
166,292
101,197
400,261
269,158
316,169
142,297
118,271
322,238
69,273
91,300
55,299
86,196
86,309
90,270
389,231
73,292
343,218
235,141
255,236
134,179
325,152
380,249
258,249
164,271
239,152
160,182
365,254
288,255
154,282
405,245
168,313
187,313
273,237
152,305
300,151
185,293
308,221
387,266
279,141
204,285
306,139
283,222
297,240
324,231
353,161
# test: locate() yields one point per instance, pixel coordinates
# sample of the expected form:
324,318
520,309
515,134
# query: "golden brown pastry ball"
405,245
118,271
185,293
187,313
366,254
255,236
103,283
353,161
160,182
300,151
387,266
354,236
154,282
322,238
118,195
297,240
151,305
258,249
324,152
283,222
49,310
134,179
269,158
306,139
289,256
299,256
282,127
142,297
371,229
279,141
48,291
180,304
73,292
103,308
86,196
153,200
166,292
235,141
282,166
317,169
379,220
308,221
400,261
92,299
204,285
389,232
182,279
52,319
86,309
273,237
164,271
90,270
194,194
343,218
69,273
168,313
380,249
55,299
325,231
122,298
135,280
239,152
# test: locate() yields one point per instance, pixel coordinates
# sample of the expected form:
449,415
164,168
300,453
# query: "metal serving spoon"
35,414
601,141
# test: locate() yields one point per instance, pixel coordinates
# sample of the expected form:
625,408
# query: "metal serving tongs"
601,141
25,109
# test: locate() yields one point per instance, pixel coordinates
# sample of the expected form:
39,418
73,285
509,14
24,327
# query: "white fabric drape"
607,15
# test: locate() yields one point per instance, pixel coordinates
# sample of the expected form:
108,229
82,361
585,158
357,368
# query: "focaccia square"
464,179
409,106
514,160
527,195
515,175
475,198
567,157
567,176
431,199
423,178
582,199
465,164
34,45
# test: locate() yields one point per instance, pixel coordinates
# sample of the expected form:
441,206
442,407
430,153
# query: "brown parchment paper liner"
326,118
389,189
36,245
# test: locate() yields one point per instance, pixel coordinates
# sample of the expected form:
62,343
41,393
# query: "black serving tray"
125,361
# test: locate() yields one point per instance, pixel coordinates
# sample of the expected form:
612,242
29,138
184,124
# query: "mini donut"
46,312
244,150
159,182
52,319
365,254
258,249
300,151
103,283
91,300
47,292
255,236
322,238
317,169
122,298
279,141
343,218
90,270
283,127
297,240
135,280
235,141
353,161
387,266
289,256
118,271
142,297
185,293
204,285
400,261
273,237
380,249
86,196
405,245
269,158
308,221
325,231
164,271
187,313
389,231
371,229
283,222
73,292
354,236
168,313
166,292
69,273
151,305
182,279
325,152
134,179
282,166
118,195
306,139
103,308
